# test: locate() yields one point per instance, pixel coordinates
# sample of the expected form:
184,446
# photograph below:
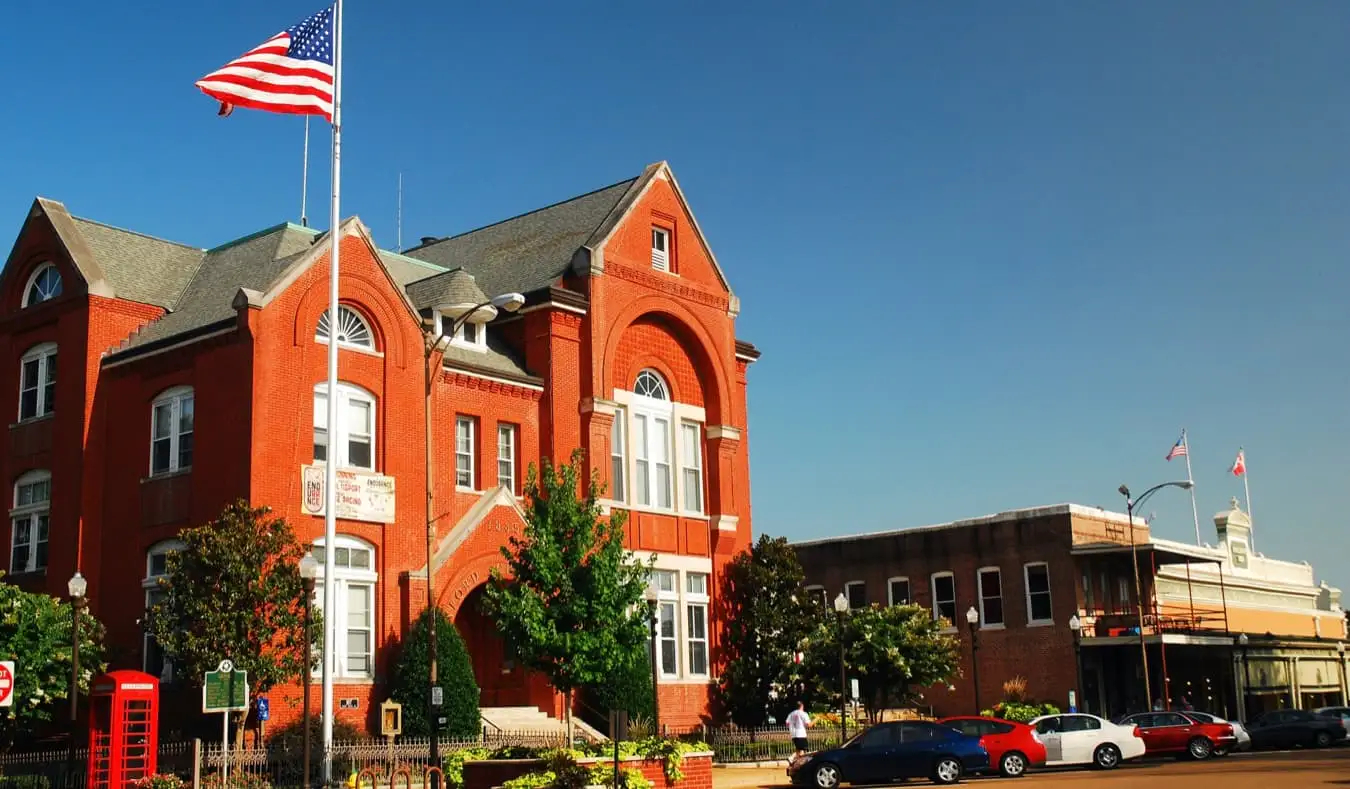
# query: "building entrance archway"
502,682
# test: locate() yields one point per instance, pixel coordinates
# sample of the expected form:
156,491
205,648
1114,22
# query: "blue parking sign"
264,709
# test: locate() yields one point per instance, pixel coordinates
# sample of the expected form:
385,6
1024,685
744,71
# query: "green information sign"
225,690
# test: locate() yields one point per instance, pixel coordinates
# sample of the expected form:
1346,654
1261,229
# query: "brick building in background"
154,382
1027,573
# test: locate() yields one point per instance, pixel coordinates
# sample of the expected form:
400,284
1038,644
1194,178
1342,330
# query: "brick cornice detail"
724,432
668,284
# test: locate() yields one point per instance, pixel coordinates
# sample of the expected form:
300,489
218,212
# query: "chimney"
429,240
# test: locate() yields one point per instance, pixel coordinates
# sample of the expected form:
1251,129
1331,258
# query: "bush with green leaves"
1019,711
454,673
452,764
160,781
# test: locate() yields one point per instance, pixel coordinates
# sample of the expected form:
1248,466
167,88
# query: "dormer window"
44,285
660,249
470,335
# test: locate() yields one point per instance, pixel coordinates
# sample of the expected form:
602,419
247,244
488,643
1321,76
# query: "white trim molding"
724,431
726,522
599,405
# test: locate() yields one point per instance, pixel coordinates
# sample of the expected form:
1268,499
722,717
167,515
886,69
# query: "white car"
1086,739
1244,740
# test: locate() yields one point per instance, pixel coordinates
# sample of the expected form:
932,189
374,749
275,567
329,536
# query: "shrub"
411,678
1015,689
629,690
237,780
1020,712
452,765
291,737
160,781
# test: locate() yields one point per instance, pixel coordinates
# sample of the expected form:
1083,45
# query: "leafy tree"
412,677
893,652
768,620
234,591
630,690
35,633
570,604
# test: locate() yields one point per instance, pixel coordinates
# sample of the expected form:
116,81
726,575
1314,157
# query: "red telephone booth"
123,729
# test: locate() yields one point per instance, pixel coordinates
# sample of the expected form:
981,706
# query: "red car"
1013,747
1176,733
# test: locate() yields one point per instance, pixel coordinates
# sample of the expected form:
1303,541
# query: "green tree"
570,604
768,621
630,689
234,591
412,678
35,633
893,651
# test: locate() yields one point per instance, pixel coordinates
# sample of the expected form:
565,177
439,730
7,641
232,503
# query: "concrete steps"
530,720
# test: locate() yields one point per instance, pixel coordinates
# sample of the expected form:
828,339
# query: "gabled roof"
141,268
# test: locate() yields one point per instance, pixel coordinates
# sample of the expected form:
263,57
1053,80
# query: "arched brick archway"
501,681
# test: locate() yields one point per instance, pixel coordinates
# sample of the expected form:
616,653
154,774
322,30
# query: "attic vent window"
660,249
352,329
45,285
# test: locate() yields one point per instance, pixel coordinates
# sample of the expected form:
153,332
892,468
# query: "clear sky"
996,255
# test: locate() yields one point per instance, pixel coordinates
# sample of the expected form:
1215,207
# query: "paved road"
1294,770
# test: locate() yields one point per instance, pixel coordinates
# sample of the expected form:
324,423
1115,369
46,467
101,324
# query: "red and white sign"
361,495
6,683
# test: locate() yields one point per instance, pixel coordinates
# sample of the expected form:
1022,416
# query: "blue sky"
996,256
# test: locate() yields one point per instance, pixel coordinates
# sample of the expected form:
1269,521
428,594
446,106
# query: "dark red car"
1179,734
1013,747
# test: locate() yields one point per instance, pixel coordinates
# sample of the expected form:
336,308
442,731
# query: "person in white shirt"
797,723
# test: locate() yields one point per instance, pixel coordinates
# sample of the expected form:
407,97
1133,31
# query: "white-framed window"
171,431
897,591
352,330
991,597
466,434
656,453
816,594
667,585
29,522
506,456
691,466
944,597
618,457
470,335
153,659
660,249
354,580
1037,577
37,381
652,412
44,285
353,444
856,592
696,620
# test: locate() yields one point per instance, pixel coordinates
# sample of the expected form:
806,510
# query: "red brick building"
154,382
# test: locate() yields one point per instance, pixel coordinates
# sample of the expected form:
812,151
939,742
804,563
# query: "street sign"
437,696
1073,701
225,690
264,709
854,688
6,683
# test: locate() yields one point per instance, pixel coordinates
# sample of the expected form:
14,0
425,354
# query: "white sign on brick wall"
361,495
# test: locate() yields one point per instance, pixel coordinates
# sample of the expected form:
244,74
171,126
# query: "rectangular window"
667,632
1087,592
171,432
464,452
1124,593
320,428
944,598
359,434
354,445
661,457
28,389
691,459
360,626
642,478
696,609
1038,593
161,440
506,456
991,597
897,591
37,384
856,592
816,594
618,458
660,249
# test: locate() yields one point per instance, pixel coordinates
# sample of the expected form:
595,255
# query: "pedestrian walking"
798,722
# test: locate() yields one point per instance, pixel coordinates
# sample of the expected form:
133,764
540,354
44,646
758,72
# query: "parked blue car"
891,751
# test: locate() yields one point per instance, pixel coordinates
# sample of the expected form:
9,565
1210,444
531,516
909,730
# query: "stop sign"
6,683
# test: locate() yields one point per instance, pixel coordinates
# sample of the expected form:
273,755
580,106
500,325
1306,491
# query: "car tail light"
1138,733
1228,730
1035,735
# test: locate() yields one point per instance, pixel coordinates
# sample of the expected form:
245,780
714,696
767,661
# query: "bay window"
352,443
354,580
30,522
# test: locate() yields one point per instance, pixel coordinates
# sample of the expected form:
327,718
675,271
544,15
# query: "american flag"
291,72
1179,449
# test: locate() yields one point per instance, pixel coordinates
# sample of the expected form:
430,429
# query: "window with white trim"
171,431
44,285
897,590
817,595
991,597
29,522
691,466
856,592
37,381
618,458
470,335
656,451
652,412
465,434
696,618
354,442
352,330
153,659
944,597
1037,576
660,249
667,587
506,456
354,580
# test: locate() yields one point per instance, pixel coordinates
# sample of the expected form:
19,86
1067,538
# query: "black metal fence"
731,744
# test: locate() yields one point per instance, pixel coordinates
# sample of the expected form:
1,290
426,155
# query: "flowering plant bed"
651,764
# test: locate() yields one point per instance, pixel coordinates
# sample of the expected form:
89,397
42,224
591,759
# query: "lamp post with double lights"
433,346
973,619
78,587
1076,627
1130,504
841,611
309,570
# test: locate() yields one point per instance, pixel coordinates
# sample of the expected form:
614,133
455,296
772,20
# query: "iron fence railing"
731,744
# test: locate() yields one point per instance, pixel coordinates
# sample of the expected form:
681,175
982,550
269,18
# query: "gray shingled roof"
406,270
140,267
498,358
530,251
446,289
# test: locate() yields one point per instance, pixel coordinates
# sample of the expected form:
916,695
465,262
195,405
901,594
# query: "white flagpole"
1247,490
1195,511
330,465
304,179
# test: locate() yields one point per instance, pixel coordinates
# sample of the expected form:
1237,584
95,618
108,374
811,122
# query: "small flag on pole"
1179,449
292,72
1239,465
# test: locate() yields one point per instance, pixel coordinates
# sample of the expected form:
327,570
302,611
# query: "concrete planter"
492,773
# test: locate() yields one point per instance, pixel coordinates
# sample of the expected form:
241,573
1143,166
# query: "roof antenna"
400,214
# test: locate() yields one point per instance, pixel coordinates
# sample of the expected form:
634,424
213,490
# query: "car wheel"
827,776
1222,751
1012,765
1322,739
1106,757
946,771
1200,749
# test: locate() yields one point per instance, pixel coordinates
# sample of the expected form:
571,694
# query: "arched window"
30,521
352,329
651,440
651,384
354,579
652,437
171,436
37,381
153,659
44,285
353,440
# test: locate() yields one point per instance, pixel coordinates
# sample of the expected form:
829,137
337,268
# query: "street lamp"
841,611
1076,627
1130,504
309,570
653,620
77,586
432,346
1242,641
972,619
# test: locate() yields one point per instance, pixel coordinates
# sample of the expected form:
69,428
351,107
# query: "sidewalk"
750,776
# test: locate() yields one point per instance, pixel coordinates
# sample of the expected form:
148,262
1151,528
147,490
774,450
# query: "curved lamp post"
1076,626
309,570
973,619
77,586
841,611
1130,504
